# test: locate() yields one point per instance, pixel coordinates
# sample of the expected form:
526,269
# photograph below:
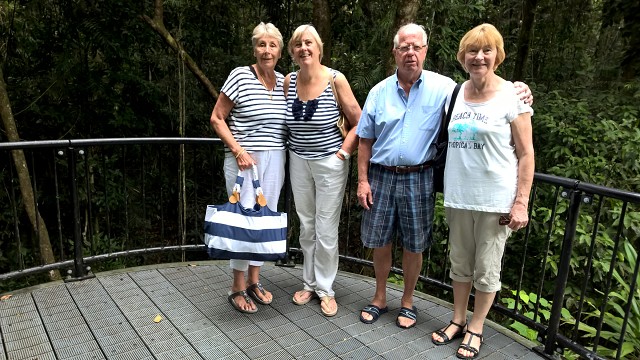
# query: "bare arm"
365,198
523,139
287,81
352,112
220,112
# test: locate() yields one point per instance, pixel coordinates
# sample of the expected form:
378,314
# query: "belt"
407,169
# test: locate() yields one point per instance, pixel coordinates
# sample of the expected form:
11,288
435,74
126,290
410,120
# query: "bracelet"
345,154
240,153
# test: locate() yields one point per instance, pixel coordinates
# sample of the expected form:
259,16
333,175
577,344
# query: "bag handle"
335,93
443,134
235,194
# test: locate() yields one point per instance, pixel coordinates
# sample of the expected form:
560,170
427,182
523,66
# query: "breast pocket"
430,117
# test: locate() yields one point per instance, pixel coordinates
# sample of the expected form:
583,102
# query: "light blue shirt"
404,128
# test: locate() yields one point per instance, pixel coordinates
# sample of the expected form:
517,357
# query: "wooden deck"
112,317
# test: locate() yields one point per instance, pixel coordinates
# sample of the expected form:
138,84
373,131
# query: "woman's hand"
244,160
519,217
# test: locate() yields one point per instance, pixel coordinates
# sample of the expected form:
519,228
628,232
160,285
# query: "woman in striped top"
319,161
249,118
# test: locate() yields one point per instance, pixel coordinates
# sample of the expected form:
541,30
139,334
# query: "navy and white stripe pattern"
313,133
256,121
232,231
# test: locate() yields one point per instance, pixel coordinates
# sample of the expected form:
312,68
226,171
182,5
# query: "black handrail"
578,192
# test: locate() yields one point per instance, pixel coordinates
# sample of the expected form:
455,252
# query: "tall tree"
524,38
322,22
24,179
157,24
406,12
630,64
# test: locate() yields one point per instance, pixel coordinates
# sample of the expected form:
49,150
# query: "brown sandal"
232,300
253,292
312,296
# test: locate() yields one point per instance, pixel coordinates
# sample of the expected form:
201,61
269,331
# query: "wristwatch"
345,154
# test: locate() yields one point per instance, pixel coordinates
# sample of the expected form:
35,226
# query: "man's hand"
525,93
365,198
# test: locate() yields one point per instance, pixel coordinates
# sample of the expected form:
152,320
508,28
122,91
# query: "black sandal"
445,338
470,348
409,314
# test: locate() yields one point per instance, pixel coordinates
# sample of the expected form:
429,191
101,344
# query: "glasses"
406,48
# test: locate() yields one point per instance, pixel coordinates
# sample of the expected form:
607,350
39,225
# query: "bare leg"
239,284
382,267
461,291
254,278
411,265
481,307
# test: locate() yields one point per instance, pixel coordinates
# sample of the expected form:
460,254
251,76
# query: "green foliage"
594,137
527,303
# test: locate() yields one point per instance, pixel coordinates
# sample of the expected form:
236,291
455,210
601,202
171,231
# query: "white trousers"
271,176
318,188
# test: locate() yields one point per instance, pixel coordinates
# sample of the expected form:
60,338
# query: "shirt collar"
418,82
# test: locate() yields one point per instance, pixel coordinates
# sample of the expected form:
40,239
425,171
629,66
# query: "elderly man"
399,124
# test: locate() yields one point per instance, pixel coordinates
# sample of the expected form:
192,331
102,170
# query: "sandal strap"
242,293
326,299
476,335
442,332
372,310
408,313
259,287
455,324
471,349
467,346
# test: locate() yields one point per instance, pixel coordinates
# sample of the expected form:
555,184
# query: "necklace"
263,82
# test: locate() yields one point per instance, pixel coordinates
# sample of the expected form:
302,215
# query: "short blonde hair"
267,29
298,34
480,36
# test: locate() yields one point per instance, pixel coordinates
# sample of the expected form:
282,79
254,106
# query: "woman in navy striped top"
319,161
249,118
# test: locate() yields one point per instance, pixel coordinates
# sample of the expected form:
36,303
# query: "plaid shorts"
400,201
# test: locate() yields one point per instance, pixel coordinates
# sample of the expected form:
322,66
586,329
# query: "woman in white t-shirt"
249,118
487,181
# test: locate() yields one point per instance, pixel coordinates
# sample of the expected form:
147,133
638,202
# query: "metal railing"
564,278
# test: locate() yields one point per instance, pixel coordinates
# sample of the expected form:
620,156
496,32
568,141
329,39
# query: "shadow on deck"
112,317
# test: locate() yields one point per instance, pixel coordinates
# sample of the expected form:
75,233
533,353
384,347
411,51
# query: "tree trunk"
630,65
610,16
157,24
24,178
524,39
322,23
406,12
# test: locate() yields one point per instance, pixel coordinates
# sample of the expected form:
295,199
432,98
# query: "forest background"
80,69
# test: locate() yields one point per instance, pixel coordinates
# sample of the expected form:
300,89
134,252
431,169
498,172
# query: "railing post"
575,201
288,262
80,271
